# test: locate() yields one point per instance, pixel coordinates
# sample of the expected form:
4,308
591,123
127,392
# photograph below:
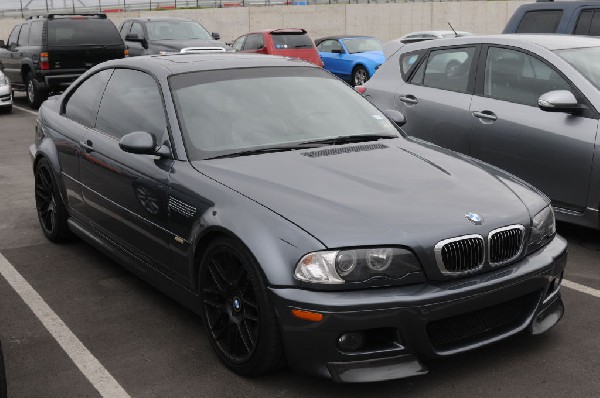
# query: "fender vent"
345,149
178,206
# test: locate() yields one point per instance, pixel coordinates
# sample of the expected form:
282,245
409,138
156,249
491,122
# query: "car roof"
177,63
438,33
548,41
158,19
552,5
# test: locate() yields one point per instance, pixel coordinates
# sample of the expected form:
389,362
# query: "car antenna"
455,34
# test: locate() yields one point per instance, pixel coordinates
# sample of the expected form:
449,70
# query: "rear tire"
239,318
52,213
35,95
6,109
360,75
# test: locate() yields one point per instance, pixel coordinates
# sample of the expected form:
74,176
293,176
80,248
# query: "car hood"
374,56
395,191
179,44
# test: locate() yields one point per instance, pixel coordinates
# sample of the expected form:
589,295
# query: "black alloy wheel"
241,324
51,211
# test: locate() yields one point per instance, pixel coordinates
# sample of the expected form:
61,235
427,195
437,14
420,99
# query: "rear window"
287,41
545,21
81,32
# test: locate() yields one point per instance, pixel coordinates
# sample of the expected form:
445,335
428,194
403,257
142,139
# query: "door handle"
485,115
87,146
408,99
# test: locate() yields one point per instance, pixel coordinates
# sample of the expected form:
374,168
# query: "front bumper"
59,80
5,96
404,326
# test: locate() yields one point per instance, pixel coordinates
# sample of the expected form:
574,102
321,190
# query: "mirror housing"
395,116
138,142
559,101
335,51
216,35
2,44
135,38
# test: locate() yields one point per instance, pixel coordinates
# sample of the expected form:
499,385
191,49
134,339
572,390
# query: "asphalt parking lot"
153,347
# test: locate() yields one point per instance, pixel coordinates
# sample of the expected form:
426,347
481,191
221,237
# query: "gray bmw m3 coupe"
296,218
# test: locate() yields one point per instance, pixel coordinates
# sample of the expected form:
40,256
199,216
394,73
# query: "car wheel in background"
241,322
360,75
35,96
6,109
51,210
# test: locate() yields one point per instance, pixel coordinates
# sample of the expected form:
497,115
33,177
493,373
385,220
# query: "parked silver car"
525,103
5,94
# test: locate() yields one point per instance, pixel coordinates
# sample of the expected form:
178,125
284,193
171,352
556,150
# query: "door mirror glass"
559,101
139,142
216,36
395,116
133,37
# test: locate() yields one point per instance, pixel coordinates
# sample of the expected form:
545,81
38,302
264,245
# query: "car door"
436,98
78,117
12,67
330,52
126,194
552,151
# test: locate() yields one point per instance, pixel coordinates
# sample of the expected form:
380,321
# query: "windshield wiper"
282,148
346,139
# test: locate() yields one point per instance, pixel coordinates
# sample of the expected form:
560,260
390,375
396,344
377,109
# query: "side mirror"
135,38
559,101
336,51
216,36
2,44
138,142
395,116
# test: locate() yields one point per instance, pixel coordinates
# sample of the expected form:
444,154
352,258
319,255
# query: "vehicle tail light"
126,53
44,63
360,89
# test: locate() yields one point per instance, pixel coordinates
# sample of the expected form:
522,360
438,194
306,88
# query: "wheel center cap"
236,304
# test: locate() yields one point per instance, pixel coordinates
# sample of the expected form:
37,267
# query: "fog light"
351,341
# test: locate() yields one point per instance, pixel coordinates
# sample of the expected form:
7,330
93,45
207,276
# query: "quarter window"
447,69
517,77
82,105
408,61
35,35
544,21
131,102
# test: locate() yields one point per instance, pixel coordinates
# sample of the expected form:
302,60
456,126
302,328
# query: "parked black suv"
565,17
45,54
149,36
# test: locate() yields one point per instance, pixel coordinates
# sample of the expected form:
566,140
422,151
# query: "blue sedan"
352,58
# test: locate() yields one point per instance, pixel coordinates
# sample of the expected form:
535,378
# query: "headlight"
3,80
543,228
357,265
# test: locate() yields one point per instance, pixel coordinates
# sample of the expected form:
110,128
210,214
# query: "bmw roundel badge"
474,218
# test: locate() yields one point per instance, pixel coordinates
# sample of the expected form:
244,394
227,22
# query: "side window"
14,35
449,69
125,29
82,105
131,102
408,61
24,36
595,24
583,23
328,46
36,32
517,77
543,21
239,43
253,42
137,29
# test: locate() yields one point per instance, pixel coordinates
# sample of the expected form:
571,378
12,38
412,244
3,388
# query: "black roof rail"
52,16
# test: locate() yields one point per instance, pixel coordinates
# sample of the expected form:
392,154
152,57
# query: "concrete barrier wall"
385,21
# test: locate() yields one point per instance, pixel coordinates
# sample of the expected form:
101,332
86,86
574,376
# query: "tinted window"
73,32
287,41
518,77
35,34
176,30
137,29
449,69
82,105
239,43
254,42
595,24
583,24
24,36
407,61
545,21
328,46
14,35
131,102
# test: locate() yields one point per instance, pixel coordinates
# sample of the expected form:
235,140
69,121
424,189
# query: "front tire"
52,213
360,76
35,96
240,320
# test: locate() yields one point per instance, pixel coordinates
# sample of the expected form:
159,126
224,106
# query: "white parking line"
581,288
91,368
26,110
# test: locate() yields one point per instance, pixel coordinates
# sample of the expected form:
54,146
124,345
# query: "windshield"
362,45
78,31
585,60
227,111
176,30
